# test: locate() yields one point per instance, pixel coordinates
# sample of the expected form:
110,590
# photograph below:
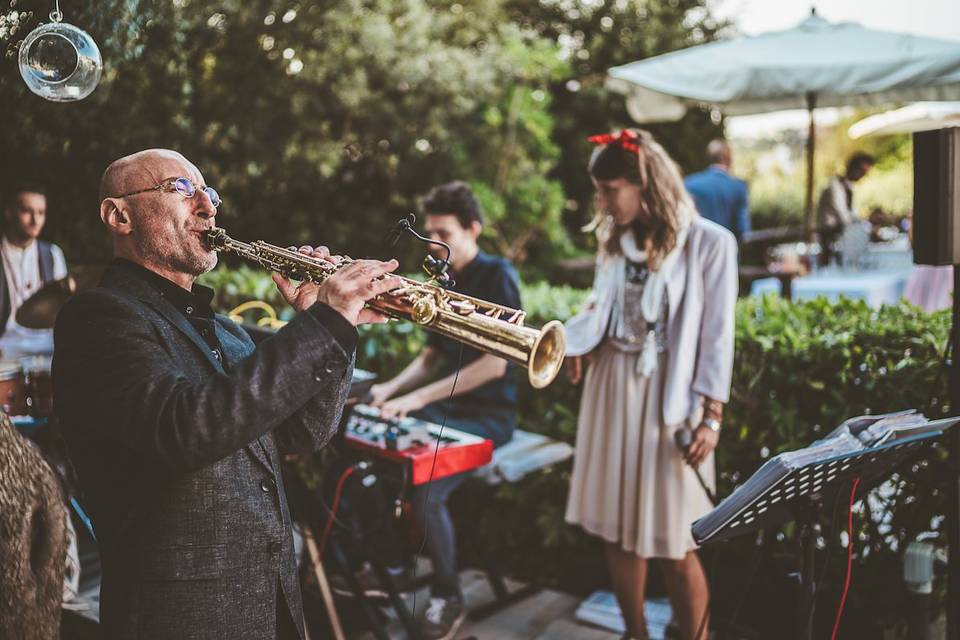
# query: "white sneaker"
442,619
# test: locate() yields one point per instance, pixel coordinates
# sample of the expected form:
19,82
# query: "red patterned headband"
626,138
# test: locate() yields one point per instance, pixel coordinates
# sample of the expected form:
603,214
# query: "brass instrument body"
486,326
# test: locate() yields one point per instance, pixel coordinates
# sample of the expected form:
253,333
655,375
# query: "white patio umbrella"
815,64
920,116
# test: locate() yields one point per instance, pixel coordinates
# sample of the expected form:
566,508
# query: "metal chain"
56,15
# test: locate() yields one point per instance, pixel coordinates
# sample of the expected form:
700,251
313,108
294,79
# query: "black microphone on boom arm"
403,225
436,267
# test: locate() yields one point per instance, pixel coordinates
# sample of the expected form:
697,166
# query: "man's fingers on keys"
383,285
369,269
323,253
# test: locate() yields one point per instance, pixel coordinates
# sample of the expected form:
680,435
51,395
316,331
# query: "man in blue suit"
719,196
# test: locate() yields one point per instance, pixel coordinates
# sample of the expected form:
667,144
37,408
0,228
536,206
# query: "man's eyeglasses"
183,186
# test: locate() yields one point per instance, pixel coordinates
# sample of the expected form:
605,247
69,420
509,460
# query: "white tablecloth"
878,287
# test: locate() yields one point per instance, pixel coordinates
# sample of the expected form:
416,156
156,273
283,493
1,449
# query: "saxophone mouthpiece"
215,238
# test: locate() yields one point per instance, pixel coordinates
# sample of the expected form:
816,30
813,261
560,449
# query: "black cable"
437,269
830,545
755,565
947,364
433,466
818,581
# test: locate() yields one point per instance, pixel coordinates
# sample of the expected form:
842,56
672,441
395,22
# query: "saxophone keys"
423,310
517,318
462,307
402,292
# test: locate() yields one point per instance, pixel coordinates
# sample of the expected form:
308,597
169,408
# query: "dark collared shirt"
195,306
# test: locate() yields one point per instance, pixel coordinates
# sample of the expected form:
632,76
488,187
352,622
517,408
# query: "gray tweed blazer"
178,461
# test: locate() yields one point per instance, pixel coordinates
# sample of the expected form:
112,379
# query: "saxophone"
486,326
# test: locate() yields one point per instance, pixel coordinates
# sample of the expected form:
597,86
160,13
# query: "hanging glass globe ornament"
59,61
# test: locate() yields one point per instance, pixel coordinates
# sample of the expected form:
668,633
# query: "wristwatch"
711,423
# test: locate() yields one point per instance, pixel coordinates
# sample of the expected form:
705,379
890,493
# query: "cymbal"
87,276
40,310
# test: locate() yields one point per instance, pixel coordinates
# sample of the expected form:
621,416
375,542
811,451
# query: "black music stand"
798,493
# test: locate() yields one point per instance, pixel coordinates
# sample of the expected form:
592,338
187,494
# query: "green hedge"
800,369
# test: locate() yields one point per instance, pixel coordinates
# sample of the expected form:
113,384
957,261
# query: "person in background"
28,264
657,333
835,210
718,195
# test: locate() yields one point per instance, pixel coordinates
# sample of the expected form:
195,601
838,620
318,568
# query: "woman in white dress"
656,339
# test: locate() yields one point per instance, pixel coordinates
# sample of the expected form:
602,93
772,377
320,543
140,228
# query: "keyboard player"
484,393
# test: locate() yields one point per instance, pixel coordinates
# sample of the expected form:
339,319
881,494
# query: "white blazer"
702,293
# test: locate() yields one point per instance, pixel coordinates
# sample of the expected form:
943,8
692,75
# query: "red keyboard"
414,442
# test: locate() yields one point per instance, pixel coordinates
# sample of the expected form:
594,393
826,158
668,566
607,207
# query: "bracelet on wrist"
711,423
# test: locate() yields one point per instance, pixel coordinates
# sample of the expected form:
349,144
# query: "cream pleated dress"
630,485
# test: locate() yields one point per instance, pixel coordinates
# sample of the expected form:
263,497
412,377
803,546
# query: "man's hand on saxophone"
346,291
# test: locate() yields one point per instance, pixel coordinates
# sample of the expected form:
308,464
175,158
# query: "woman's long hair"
663,197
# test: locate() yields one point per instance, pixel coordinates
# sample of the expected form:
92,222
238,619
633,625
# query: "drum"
13,393
38,384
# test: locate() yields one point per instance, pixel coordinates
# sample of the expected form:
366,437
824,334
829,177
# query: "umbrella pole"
811,226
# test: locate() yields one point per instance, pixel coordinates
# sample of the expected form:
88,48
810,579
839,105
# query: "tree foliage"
316,121
594,35
327,120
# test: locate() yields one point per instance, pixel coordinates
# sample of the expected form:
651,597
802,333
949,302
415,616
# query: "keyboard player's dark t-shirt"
490,409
